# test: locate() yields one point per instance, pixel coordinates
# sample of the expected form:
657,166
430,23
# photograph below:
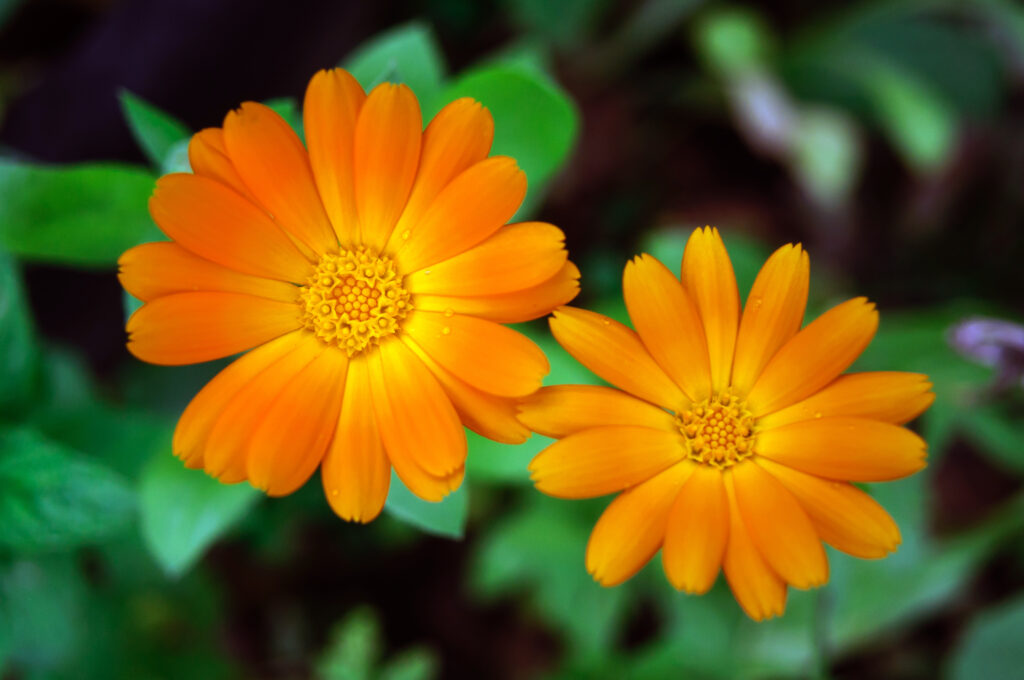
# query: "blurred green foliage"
103,532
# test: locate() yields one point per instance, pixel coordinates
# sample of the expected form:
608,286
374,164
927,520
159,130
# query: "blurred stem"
822,615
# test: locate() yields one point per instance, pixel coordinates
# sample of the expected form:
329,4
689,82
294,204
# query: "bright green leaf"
991,646
446,518
418,663
535,122
156,131
184,511
55,498
733,40
84,215
353,648
408,53
18,349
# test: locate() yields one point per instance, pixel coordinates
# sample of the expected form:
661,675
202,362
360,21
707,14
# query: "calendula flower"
366,278
733,438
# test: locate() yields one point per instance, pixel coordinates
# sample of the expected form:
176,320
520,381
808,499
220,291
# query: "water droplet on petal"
446,331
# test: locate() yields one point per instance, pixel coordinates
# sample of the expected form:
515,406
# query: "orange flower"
734,439
368,276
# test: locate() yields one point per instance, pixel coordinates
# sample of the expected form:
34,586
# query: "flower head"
365,274
732,439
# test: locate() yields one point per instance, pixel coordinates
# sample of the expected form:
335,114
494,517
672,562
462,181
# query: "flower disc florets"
719,431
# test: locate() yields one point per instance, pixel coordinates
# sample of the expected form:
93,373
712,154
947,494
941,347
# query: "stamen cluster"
719,431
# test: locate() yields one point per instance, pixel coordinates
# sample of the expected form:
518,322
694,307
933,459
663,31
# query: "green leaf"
564,23
418,663
183,511
18,350
446,518
998,433
84,215
408,53
990,648
733,40
353,648
156,131
55,498
535,122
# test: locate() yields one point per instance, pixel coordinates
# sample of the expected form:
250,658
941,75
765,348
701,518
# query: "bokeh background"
888,137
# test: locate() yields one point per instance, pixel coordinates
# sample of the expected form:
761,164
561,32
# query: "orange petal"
758,589
518,256
486,414
815,356
709,280
228,442
779,527
773,314
153,270
522,305
615,353
697,532
668,323
387,152
274,165
473,206
603,460
416,419
204,409
459,136
209,158
844,516
632,528
889,396
216,223
356,473
486,355
188,328
847,449
292,435
329,113
561,410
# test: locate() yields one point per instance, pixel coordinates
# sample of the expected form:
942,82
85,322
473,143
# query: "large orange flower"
735,438
371,274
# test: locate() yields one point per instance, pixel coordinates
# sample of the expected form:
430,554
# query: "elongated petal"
387,151
844,516
488,415
292,435
779,527
415,416
773,314
209,158
188,328
515,307
709,280
329,113
632,527
473,206
889,396
356,473
228,441
815,356
615,353
518,256
153,270
847,449
603,460
485,355
697,532
758,589
195,423
668,323
218,224
459,136
274,165
561,410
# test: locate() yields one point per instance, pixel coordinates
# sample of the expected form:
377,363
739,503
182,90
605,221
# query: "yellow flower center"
354,299
719,431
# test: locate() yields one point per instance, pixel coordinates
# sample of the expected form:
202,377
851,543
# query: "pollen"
718,431
354,299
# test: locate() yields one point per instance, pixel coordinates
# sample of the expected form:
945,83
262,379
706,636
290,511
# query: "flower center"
354,299
719,431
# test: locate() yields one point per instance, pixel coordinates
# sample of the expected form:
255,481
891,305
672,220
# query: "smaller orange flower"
734,438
